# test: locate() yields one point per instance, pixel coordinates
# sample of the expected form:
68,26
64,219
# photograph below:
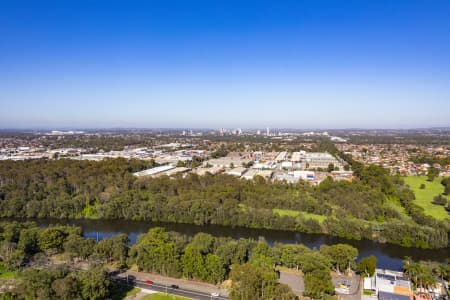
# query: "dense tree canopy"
251,265
367,266
107,189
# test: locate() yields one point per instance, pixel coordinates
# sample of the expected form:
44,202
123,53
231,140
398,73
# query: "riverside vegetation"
29,252
57,262
374,206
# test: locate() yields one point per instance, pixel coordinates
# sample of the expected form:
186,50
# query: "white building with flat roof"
387,284
320,160
286,165
154,171
250,174
297,156
305,175
238,172
226,162
281,156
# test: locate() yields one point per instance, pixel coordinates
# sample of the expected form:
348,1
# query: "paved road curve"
167,289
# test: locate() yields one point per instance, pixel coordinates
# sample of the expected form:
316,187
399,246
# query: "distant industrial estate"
290,159
175,150
277,166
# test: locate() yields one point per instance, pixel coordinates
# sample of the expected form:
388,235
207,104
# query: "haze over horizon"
178,64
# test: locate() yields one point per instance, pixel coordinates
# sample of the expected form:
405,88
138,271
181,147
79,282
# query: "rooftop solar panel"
391,296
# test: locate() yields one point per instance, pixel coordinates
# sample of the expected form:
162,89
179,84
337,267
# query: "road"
167,289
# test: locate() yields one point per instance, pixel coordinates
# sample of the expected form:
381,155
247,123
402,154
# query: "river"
389,256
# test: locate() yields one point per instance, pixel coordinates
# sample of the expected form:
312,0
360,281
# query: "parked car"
148,281
174,286
214,294
130,279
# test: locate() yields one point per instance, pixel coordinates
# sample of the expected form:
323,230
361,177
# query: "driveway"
354,292
293,279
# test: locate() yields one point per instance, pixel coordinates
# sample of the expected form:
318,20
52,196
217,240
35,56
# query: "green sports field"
425,196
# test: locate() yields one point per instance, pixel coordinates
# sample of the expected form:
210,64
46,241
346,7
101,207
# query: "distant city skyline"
199,64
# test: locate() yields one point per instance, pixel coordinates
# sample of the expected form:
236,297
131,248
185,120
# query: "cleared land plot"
425,196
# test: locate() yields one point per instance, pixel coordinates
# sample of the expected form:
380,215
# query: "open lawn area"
5,274
425,196
294,213
161,296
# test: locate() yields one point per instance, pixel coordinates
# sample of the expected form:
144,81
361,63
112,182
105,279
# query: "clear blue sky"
298,64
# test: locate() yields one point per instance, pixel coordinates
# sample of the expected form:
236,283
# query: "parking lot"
295,281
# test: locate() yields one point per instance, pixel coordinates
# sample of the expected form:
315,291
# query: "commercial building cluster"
312,167
170,158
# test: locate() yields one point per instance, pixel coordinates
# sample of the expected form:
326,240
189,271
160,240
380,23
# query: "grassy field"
5,274
160,296
294,213
394,203
425,196
133,292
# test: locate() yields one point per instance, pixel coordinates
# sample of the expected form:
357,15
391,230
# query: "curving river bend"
389,256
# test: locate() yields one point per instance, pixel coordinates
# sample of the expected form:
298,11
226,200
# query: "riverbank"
389,256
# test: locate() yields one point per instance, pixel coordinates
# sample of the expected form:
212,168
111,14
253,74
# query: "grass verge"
160,296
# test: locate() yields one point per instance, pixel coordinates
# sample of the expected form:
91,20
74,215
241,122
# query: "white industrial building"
281,156
265,165
226,162
154,171
286,165
250,174
297,156
290,178
320,160
238,172
305,175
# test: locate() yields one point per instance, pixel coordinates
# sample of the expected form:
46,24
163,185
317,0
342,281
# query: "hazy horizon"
300,64
272,129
